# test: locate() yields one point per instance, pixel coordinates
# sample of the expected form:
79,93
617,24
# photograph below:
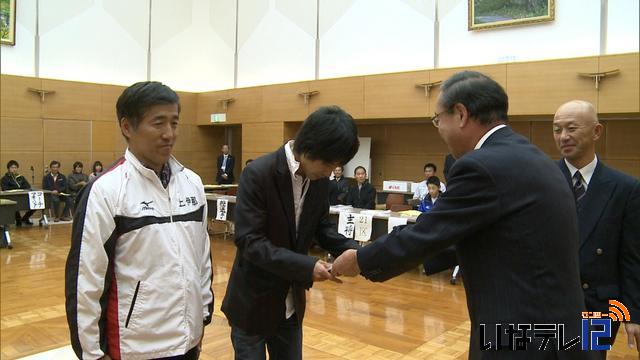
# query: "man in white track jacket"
138,274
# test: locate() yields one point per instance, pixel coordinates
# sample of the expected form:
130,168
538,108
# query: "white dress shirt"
586,171
486,136
299,185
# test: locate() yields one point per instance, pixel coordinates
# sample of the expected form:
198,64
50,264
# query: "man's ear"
126,127
461,114
598,129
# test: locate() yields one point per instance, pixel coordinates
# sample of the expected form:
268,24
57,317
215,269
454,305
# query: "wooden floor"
410,317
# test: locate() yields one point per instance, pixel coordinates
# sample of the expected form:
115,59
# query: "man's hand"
633,334
346,264
321,272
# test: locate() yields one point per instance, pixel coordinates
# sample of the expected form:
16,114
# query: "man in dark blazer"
282,205
510,216
224,165
608,204
338,186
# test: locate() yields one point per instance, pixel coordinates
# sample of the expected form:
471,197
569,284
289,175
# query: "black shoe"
27,222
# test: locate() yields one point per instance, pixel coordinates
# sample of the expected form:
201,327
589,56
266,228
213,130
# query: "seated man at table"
57,183
361,195
14,181
433,187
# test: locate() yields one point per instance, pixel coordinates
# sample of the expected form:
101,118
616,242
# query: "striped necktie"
578,188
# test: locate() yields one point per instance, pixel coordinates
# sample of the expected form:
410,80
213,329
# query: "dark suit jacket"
338,190
363,198
513,221
270,258
60,184
609,228
228,170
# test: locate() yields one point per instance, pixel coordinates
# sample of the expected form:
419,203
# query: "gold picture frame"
8,22
487,14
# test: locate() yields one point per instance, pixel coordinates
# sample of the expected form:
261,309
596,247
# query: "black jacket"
60,184
227,170
609,228
512,217
363,198
10,182
270,258
338,190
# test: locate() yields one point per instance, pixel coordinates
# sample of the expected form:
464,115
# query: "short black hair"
484,98
329,134
430,165
76,164
341,167
434,180
54,162
96,163
359,167
11,163
138,98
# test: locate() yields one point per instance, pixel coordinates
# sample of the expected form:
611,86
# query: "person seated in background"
338,187
421,190
77,179
14,181
57,184
362,195
433,187
96,170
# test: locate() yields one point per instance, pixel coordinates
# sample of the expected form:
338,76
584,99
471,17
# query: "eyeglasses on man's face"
435,120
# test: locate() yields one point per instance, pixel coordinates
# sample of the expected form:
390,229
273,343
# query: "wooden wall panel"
16,100
628,166
620,93
395,95
183,142
105,157
246,107
26,159
103,135
204,164
184,157
72,100
67,159
207,138
496,72
541,87
282,102
208,103
108,98
348,93
521,127
261,138
188,107
20,134
622,139
291,130
67,136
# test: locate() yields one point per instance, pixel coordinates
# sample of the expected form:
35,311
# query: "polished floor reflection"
410,317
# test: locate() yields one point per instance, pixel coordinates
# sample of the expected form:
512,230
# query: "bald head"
575,130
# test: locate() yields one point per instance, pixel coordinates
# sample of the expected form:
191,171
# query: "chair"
400,207
394,199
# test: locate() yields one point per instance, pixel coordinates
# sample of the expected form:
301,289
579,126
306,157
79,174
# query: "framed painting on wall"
8,22
485,14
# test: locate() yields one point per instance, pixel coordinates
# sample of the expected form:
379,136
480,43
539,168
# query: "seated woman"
362,195
77,179
96,170
433,188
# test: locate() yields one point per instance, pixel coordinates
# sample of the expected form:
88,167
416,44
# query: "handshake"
345,264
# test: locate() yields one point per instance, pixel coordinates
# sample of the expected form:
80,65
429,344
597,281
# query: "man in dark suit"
338,186
225,166
282,205
608,204
511,218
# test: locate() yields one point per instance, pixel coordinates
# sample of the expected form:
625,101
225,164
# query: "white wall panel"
20,58
193,43
375,36
623,26
575,32
276,41
103,41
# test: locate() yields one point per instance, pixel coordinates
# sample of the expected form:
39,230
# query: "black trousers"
286,344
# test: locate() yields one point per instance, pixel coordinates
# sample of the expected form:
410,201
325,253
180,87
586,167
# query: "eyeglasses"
435,120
